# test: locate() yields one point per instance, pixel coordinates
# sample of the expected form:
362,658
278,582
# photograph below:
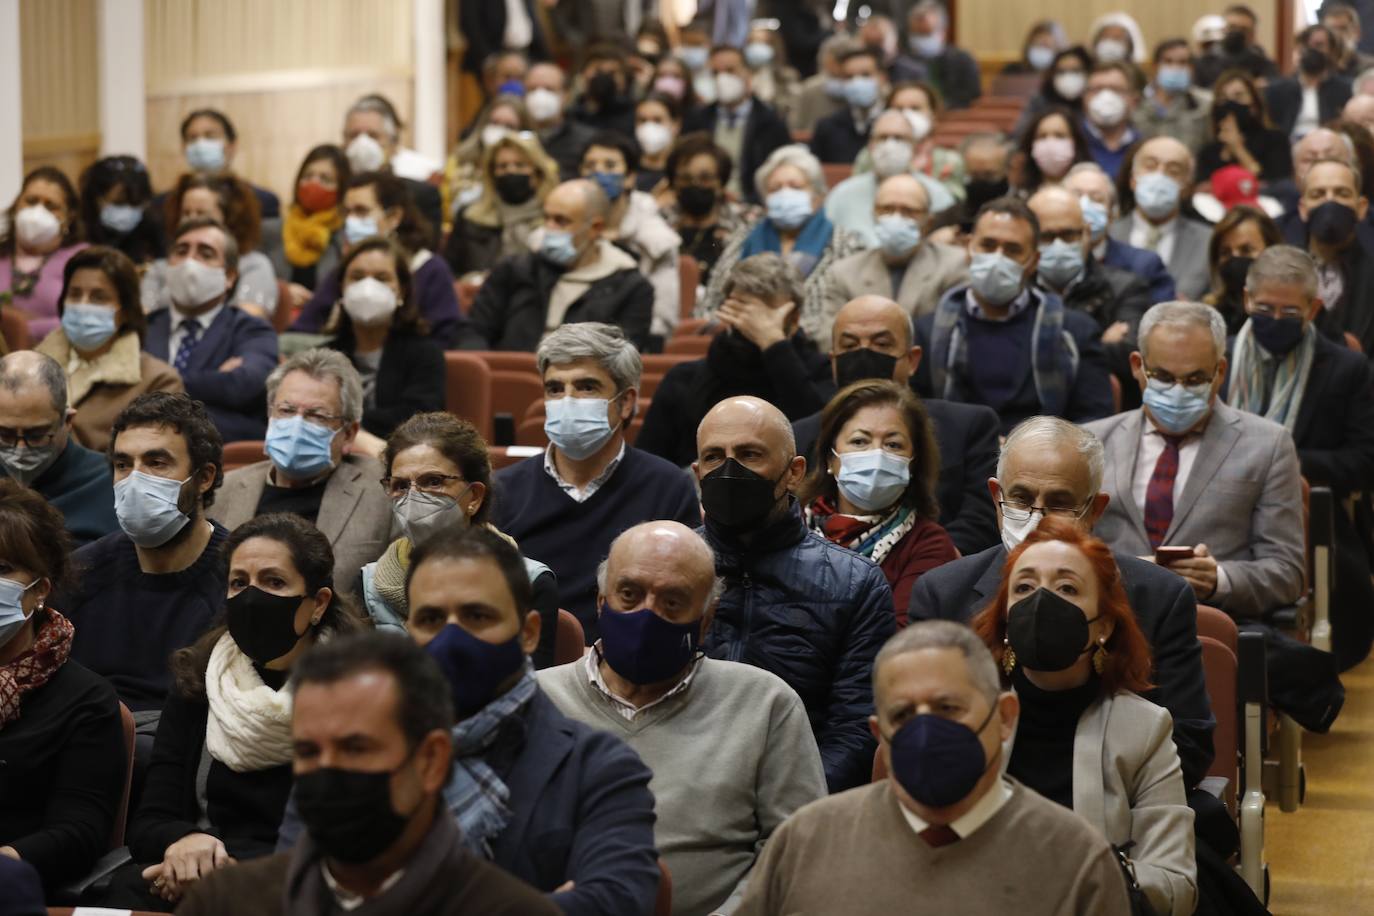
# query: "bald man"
1161,179
1321,145
38,451
795,604
1360,109
904,265
574,274
871,338
729,745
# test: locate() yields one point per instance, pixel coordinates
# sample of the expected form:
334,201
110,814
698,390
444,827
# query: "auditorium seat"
242,453
467,394
569,643
689,278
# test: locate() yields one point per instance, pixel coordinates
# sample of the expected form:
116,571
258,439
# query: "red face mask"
315,197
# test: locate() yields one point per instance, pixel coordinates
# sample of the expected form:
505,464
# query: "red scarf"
837,528
35,667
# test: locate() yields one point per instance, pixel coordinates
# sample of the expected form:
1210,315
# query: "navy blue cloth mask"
938,761
475,669
643,648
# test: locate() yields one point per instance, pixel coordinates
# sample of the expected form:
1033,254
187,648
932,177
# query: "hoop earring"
1008,658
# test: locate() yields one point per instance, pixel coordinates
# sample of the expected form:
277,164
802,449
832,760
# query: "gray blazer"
355,513
1243,499
934,268
1187,262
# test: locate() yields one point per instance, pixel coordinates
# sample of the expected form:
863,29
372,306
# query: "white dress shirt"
585,493
205,319
975,817
519,29
1309,115
623,706
1142,228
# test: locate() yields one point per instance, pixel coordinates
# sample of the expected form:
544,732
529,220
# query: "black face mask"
981,190
1047,631
863,363
1332,223
514,189
1245,118
263,625
696,201
602,88
1233,273
1234,41
1313,62
735,497
348,813
1277,335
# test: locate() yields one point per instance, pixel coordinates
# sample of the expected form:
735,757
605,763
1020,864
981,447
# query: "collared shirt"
738,116
1018,305
1164,235
349,901
584,494
968,822
1309,115
628,710
204,319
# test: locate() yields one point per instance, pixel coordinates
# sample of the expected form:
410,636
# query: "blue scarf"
475,794
806,253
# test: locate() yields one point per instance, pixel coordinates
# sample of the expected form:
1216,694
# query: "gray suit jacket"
1187,262
355,513
1243,499
934,268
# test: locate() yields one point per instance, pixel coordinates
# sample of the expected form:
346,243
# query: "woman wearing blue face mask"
793,225
872,484
438,475
100,343
1043,41
1172,107
776,83
1069,645
60,732
115,194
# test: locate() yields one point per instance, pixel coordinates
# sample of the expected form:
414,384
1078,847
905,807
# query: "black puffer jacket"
815,615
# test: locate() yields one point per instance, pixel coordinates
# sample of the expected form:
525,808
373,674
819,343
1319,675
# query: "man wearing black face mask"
1342,243
1316,93
702,214
1323,392
1236,51
872,339
986,162
809,611
372,757
604,103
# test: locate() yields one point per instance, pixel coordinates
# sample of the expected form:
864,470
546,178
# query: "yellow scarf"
305,236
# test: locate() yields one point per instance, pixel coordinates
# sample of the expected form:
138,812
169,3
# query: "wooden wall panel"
58,68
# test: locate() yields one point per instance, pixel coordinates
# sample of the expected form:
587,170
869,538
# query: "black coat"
1110,294
511,307
967,437
410,380
764,132
427,200
484,25
837,140
1284,98
1353,312
1164,607
566,144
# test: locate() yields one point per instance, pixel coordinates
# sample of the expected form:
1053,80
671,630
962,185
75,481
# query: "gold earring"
1100,657
1008,658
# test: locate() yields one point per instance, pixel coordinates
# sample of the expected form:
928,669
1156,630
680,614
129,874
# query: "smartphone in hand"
1164,556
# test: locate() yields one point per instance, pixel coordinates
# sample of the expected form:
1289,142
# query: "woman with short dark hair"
115,194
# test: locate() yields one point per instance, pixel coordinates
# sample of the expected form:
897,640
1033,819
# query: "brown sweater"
855,854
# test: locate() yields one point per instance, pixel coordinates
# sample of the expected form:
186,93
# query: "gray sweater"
732,755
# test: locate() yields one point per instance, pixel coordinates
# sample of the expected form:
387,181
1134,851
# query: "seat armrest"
97,879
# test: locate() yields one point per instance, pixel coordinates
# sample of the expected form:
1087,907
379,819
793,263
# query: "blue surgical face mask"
938,761
28,462
995,277
1177,408
558,247
300,449
147,508
1095,215
357,228
873,479
474,668
758,54
643,648
932,45
861,91
1156,194
88,327
898,235
12,615
789,208
694,57
1173,78
205,155
578,427
611,183
1040,57
120,218
1061,263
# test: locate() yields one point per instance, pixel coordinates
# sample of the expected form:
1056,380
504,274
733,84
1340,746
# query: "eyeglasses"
1195,380
287,410
1019,512
32,438
396,487
1269,311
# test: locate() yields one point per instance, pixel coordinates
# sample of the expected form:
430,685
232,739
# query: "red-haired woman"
1066,638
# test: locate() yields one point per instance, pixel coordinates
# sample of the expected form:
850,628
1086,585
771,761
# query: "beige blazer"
934,268
355,513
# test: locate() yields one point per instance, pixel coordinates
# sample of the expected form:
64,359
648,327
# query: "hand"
299,295
255,309
564,887
1116,333
230,364
186,861
756,322
1200,572
1229,135
11,852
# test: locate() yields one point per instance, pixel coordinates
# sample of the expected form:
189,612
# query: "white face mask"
1107,108
891,157
1013,533
364,154
192,284
543,104
729,88
920,122
369,301
1070,83
36,225
653,137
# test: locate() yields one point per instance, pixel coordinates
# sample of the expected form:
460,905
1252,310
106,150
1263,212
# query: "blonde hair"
484,211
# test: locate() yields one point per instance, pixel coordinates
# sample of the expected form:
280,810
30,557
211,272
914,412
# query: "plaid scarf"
1054,359
35,667
1249,391
871,536
476,794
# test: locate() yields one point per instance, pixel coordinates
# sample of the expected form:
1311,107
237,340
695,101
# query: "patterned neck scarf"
871,536
35,667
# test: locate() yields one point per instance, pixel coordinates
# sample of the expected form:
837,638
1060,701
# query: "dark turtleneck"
1043,755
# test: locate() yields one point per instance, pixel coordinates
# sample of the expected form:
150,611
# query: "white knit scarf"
249,726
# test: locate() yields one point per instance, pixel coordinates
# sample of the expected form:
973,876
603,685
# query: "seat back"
1220,670
879,765
569,642
1217,624
663,905
467,389
694,346
242,453
688,278
512,393
285,313
126,721
15,329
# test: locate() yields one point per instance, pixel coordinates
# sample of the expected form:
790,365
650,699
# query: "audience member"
879,34
371,140
34,411
872,487
1002,341
840,137
605,102
1342,20
1063,631
209,142
950,69
546,91
229,713
1238,49
1236,241
1161,178
466,167
739,122
1172,106
658,124
924,109
376,204
775,83
503,73
42,230
987,170
795,604
1109,102
60,734
1044,39
1052,144
222,353
115,198
1051,468
1062,86
489,29
1333,206
673,78
307,244
1097,197
822,93
905,266
1320,391
1243,134
1116,38
729,745
761,352
99,343
937,695
369,733
1316,93
314,468
576,274
1360,109
568,504
697,208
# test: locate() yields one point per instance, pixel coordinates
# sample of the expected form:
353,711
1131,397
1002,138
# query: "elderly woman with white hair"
793,225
